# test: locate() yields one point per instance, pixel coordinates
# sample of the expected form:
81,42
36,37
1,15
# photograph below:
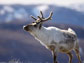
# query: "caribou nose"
25,28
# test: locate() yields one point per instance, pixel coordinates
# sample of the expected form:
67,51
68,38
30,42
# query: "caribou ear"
40,26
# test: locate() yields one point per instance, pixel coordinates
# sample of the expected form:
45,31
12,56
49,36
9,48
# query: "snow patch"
42,8
8,9
2,12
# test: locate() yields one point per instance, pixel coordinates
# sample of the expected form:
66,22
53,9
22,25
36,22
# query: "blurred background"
18,45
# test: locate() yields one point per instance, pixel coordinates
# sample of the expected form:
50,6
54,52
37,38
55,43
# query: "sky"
55,2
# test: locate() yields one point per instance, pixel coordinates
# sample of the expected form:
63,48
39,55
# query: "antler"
41,14
33,17
42,19
49,18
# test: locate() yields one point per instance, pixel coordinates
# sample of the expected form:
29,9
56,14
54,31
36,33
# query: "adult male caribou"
53,38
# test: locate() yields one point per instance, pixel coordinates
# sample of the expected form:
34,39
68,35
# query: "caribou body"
53,38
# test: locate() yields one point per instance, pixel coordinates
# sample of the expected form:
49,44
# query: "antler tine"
33,17
39,17
49,18
41,14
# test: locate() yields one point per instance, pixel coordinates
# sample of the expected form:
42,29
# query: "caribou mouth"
25,28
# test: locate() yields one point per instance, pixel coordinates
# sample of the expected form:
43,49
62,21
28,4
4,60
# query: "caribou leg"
54,57
52,48
78,55
70,57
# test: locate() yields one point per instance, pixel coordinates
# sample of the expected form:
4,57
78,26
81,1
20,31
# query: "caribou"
54,39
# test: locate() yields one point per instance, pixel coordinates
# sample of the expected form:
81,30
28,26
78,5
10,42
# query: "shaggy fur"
56,40
53,38
61,39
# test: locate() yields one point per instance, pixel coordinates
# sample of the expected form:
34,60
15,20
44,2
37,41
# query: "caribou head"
37,24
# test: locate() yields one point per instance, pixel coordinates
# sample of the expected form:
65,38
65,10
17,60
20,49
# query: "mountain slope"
17,44
23,12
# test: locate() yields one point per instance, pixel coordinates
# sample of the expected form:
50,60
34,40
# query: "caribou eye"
37,22
35,25
33,22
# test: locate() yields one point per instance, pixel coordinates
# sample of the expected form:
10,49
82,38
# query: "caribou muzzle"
25,28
